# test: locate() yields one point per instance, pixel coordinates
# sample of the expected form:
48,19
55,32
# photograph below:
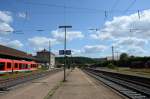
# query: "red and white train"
8,65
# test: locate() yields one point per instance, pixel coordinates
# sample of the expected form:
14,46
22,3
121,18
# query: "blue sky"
118,21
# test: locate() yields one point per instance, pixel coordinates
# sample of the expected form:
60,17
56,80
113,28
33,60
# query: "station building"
46,57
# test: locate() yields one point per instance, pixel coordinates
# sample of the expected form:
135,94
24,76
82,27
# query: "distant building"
45,57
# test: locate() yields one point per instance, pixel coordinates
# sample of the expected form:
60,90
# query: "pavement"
36,89
81,86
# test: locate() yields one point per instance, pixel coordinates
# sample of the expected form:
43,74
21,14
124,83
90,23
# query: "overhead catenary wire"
130,6
114,5
75,7
106,13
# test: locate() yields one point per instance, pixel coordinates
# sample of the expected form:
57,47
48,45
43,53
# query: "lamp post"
65,39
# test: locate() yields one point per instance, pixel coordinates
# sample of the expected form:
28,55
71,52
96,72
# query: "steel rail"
126,87
8,83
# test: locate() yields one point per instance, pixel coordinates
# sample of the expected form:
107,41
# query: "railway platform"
81,86
35,89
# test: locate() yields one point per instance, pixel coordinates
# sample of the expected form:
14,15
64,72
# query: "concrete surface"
80,86
36,89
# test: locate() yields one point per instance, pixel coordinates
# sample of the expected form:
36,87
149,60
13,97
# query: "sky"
97,25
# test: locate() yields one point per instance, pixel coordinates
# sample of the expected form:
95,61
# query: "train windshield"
2,65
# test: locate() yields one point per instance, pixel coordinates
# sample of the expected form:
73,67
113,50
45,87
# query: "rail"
7,83
133,87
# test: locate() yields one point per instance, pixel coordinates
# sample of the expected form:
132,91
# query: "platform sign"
62,52
68,52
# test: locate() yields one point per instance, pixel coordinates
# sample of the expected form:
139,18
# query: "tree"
124,56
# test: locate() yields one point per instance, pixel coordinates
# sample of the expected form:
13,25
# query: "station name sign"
62,52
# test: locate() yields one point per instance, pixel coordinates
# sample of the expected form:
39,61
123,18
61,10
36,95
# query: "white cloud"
59,35
89,50
94,48
5,20
128,33
133,50
99,36
131,41
11,43
41,42
76,52
15,44
126,26
5,16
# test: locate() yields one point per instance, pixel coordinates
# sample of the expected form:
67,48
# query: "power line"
114,5
79,8
132,3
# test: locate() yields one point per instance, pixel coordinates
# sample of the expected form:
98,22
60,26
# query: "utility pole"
49,54
117,55
65,39
112,53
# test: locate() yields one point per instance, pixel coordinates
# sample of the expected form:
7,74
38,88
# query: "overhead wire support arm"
65,39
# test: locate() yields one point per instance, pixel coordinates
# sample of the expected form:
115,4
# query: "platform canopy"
11,53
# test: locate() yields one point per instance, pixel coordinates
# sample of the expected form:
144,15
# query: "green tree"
124,56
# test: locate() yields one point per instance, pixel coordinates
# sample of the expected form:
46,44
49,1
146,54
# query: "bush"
111,66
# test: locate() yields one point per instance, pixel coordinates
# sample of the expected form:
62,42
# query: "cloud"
94,48
126,26
99,36
11,43
5,20
41,42
15,44
132,50
89,50
71,35
130,41
127,32
76,52
5,16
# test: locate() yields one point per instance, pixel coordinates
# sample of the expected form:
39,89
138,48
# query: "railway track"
8,83
131,86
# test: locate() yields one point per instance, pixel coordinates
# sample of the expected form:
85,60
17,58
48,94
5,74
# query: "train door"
9,66
16,66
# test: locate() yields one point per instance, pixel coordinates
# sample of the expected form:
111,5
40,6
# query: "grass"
141,72
52,91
